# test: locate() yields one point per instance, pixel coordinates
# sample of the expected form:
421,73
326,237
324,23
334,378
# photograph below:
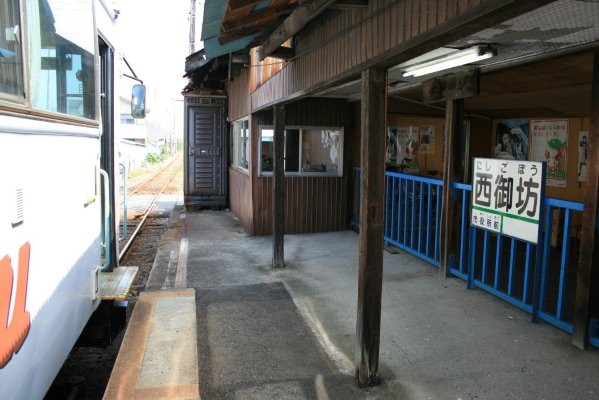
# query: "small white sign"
506,197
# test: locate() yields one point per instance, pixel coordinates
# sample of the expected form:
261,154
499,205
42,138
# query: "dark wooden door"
206,152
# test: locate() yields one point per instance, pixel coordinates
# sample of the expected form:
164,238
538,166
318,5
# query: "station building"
371,145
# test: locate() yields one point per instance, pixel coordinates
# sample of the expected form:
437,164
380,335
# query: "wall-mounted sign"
507,197
459,85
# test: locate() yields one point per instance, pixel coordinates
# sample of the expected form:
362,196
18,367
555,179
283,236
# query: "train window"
61,56
11,55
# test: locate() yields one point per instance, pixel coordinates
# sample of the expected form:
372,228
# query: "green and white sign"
507,197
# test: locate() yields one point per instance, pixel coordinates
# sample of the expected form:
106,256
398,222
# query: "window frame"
233,162
338,174
23,105
8,98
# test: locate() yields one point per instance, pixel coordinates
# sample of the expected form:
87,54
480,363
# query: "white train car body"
51,202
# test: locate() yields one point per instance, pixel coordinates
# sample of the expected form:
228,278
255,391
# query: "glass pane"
266,149
322,151
61,43
292,150
239,134
11,55
244,148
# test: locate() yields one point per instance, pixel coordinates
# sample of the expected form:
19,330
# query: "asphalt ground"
264,333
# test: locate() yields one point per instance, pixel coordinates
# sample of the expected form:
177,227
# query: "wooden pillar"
372,192
278,187
452,166
589,240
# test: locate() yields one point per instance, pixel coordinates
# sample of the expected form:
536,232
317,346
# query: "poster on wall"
427,139
549,142
583,146
407,148
511,139
391,147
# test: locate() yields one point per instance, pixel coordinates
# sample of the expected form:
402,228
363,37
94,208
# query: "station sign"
507,197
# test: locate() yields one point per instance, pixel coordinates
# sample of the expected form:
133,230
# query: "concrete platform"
158,356
289,333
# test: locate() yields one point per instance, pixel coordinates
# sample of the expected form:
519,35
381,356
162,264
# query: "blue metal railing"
498,264
412,213
505,266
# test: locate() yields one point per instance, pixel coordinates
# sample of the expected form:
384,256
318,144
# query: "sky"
155,41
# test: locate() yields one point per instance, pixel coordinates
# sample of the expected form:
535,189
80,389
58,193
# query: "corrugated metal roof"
218,42
214,11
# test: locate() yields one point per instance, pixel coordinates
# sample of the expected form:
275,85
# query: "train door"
206,147
107,161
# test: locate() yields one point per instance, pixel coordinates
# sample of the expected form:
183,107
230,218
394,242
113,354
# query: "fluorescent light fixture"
462,57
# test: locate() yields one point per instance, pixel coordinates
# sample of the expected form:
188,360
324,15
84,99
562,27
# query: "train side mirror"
138,101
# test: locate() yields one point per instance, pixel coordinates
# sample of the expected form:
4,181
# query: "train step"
110,318
115,285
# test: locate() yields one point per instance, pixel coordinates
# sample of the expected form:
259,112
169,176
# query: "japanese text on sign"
506,197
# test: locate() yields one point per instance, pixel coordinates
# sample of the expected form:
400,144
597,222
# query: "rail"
498,264
144,215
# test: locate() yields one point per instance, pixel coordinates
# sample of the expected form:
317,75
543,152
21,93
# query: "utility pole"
192,27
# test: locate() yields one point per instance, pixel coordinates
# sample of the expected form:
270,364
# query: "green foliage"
154,158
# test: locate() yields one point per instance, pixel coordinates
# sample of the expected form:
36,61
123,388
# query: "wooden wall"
312,204
240,198
239,96
385,33
315,203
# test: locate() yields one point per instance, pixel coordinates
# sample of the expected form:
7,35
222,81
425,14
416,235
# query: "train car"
56,197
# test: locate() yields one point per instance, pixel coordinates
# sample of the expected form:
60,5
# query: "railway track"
142,197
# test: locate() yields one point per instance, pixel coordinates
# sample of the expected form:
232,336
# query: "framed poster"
407,148
549,142
511,139
583,146
427,139
391,146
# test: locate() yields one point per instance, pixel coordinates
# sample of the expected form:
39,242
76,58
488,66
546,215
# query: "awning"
232,25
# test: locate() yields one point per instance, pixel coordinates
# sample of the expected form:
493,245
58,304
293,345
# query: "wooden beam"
350,4
235,25
372,192
258,18
588,237
237,4
278,187
284,53
454,116
293,24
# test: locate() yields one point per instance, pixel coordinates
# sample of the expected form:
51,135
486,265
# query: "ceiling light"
456,59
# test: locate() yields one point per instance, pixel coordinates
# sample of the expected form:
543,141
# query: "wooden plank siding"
384,33
313,203
239,97
240,194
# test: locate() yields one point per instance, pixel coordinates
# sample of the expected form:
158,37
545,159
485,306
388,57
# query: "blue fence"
412,213
500,265
505,267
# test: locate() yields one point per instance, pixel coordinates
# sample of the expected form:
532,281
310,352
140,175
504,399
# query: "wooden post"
372,192
454,115
278,187
588,235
